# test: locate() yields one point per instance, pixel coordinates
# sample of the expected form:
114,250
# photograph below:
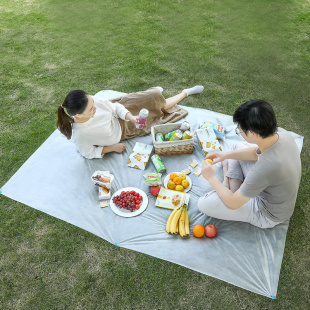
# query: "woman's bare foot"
172,101
225,169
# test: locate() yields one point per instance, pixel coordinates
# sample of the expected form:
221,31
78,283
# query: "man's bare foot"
225,169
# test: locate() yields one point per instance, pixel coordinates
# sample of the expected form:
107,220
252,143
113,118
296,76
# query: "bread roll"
104,179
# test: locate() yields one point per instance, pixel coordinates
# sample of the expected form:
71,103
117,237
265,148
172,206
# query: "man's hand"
207,171
216,157
248,153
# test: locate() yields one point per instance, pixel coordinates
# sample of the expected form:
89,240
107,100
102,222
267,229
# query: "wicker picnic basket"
171,147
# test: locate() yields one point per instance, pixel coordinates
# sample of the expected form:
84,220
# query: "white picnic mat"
56,180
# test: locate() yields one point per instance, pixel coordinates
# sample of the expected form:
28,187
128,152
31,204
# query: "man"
260,183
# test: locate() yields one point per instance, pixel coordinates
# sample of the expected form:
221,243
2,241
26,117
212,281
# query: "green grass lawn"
239,50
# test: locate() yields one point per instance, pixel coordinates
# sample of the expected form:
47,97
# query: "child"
97,125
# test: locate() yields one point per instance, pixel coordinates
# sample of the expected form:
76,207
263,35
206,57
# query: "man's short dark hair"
256,116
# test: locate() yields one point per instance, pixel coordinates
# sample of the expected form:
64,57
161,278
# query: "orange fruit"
185,183
179,188
173,175
198,231
182,176
177,180
209,160
171,185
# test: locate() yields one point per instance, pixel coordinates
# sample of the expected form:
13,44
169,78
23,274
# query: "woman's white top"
102,130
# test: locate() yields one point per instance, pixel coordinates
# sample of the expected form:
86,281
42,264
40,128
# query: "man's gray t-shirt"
274,179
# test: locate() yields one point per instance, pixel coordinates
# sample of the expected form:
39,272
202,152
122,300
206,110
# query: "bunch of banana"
178,222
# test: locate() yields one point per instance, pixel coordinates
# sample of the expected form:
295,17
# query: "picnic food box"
171,147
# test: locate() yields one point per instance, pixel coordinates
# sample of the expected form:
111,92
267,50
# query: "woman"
97,125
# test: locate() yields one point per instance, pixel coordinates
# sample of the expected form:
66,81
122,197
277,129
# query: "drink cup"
143,114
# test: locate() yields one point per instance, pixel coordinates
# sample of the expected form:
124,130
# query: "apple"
210,231
155,190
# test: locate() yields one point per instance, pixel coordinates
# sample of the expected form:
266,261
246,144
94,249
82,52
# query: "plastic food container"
103,178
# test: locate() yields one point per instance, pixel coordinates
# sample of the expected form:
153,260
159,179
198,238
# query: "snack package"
219,130
103,178
171,199
153,179
104,192
208,141
140,156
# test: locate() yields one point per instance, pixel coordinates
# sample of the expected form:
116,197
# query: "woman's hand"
132,118
207,170
119,147
216,157
135,118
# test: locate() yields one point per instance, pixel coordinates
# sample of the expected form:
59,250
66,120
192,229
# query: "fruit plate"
124,212
167,178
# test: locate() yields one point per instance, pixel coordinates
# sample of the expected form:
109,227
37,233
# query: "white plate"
124,212
167,178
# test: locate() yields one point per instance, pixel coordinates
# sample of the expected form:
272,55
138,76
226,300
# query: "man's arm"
248,154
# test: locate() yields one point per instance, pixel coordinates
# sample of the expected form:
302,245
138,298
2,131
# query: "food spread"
173,194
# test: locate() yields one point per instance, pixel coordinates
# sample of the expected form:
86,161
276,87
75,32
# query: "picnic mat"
56,179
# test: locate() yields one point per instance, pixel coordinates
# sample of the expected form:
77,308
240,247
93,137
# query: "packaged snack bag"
171,199
103,178
153,179
219,130
208,140
104,192
140,156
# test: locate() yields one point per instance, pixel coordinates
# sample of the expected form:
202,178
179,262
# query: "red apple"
155,190
210,231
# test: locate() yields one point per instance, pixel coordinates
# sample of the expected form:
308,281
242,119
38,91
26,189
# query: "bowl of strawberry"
129,200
